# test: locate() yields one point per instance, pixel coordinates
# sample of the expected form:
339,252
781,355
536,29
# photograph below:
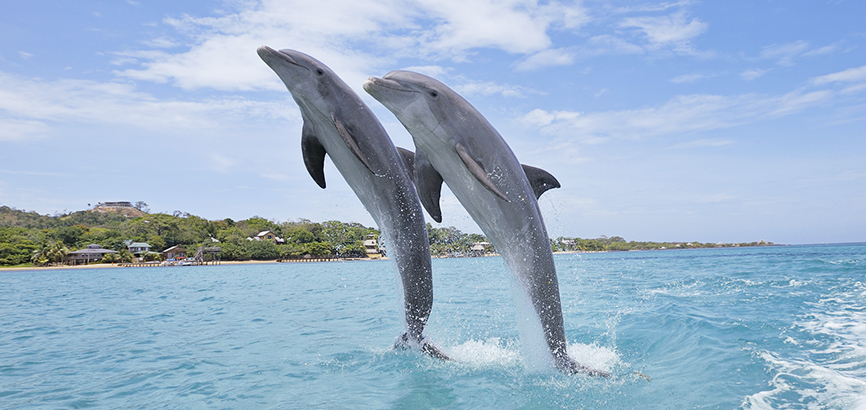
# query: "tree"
141,206
318,248
298,235
49,252
15,246
124,255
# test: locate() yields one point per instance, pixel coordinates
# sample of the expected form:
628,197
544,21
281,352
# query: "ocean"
780,327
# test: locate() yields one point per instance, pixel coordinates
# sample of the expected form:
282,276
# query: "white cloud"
652,7
276,177
688,78
611,44
223,52
221,163
821,51
597,45
753,74
547,58
542,118
15,129
162,42
25,55
675,29
850,75
785,53
683,114
854,88
490,88
430,70
29,108
353,37
515,26
702,143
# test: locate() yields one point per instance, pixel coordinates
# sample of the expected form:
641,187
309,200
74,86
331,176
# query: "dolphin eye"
434,94
319,71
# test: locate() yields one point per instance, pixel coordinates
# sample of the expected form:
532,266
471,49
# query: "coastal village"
127,234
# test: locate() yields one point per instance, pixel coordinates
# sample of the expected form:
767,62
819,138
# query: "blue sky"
694,120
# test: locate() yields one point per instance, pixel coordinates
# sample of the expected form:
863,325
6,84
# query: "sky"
710,121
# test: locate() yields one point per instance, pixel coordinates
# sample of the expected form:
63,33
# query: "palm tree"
49,252
110,258
39,256
125,255
57,251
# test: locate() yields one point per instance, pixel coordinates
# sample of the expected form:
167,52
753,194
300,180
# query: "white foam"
592,355
495,353
485,353
828,388
832,372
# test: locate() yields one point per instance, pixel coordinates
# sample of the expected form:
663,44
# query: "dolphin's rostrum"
339,124
454,143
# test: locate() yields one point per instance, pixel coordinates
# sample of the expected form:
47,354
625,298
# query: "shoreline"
115,265
253,262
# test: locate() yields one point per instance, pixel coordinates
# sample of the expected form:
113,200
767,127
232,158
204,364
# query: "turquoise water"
777,327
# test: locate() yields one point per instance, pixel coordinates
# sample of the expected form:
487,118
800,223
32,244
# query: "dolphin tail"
407,342
568,365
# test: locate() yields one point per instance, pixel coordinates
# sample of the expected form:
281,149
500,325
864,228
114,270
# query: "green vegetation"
616,243
27,238
451,242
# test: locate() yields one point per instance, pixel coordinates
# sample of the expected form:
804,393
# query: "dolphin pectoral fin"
478,171
408,159
540,180
428,184
314,155
351,143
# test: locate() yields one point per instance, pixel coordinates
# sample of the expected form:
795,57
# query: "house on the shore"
268,236
90,253
371,247
138,248
175,252
479,248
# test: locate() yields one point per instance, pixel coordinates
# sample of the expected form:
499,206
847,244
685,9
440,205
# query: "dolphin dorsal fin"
408,159
478,171
314,154
351,143
428,184
540,180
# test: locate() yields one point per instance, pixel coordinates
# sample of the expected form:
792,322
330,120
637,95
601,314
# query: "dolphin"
339,124
454,143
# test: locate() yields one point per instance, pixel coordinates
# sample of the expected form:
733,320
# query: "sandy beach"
114,265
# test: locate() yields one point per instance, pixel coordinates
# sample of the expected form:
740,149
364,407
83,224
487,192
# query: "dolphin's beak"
269,55
266,52
372,83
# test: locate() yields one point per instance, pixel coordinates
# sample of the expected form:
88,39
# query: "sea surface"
755,328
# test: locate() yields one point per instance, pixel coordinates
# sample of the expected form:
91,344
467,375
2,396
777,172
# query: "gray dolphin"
338,123
454,143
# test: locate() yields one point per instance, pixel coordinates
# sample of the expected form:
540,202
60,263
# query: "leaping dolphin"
338,123
454,143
